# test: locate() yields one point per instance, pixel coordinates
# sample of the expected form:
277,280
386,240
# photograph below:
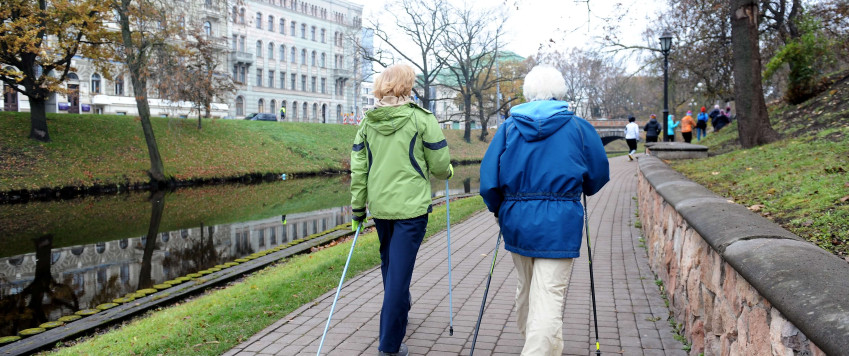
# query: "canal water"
60,257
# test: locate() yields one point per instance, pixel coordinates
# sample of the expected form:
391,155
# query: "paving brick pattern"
632,317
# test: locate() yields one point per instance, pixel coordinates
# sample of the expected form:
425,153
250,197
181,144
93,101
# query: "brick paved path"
632,315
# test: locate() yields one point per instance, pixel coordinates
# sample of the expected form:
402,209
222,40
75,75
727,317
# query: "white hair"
544,82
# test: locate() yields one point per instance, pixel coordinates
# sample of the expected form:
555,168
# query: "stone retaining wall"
739,283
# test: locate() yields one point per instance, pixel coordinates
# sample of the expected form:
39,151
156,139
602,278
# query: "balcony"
342,73
241,57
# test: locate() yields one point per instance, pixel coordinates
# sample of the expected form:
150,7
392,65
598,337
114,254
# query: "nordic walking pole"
592,282
448,232
485,292
339,289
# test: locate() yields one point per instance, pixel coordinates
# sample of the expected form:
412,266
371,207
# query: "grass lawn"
800,182
221,319
102,149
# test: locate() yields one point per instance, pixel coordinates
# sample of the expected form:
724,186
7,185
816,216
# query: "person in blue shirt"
670,128
537,166
701,124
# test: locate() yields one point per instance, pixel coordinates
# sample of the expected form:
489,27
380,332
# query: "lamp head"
665,42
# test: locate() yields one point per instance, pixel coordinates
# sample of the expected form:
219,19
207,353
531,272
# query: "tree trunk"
753,127
157,205
467,114
38,120
157,170
483,118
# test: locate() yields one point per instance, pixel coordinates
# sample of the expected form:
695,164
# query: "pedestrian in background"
701,124
532,176
652,129
714,114
687,126
632,135
721,121
670,128
396,148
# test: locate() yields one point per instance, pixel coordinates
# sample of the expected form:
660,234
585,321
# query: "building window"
242,16
303,82
304,110
292,79
312,59
260,106
282,80
242,46
259,77
312,84
271,105
235,43
315,110
270,78
235,14
243,74
323,60
324,85
312,33
323,34
95,83
259,48
292,54
282,27
304,56
270,23
304,31
294,110
207,28
119,86
240,106
291,28
282,53
259,20
236,73
270,50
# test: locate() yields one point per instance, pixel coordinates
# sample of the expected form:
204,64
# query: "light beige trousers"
540,296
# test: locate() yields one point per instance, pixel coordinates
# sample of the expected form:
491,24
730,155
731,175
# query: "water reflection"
118,245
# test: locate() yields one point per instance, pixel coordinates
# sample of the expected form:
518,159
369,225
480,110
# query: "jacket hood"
537,120
388,119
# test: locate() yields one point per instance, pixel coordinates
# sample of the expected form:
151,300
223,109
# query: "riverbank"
103,153
215,322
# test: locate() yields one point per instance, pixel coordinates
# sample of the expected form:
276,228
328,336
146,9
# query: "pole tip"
451,331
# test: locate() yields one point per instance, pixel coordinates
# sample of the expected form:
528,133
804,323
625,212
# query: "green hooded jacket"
395,148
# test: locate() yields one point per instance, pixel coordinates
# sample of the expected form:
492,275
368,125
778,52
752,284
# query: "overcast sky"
569,23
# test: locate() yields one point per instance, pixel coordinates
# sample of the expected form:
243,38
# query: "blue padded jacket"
532,176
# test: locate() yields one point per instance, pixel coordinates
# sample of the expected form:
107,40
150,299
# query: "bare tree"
472,43
203,69
421,24
754,128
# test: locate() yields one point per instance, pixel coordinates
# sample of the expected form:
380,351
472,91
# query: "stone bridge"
611,130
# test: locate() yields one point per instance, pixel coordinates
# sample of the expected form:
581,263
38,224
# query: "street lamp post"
665,45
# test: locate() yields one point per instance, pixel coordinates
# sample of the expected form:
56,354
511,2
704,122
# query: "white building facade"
295,55
281,53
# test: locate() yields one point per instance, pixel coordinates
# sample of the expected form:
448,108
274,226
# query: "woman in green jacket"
397,146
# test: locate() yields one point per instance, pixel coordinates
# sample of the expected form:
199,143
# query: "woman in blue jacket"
533,174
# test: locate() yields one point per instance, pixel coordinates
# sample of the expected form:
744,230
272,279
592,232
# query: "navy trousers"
399,244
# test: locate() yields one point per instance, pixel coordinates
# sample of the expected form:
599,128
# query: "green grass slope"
102,149
801,181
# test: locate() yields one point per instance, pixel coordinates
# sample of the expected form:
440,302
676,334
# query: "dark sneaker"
402,351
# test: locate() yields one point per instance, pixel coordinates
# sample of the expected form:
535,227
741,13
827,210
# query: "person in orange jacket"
687,126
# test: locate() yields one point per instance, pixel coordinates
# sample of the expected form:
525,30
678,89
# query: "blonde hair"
544,82
396,80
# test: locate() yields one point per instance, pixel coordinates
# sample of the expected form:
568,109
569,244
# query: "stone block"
677,150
